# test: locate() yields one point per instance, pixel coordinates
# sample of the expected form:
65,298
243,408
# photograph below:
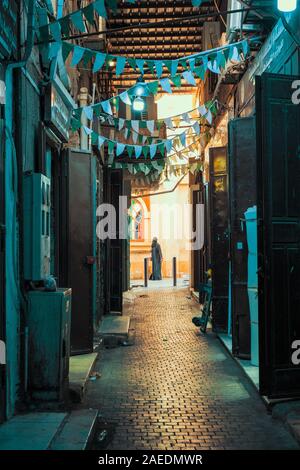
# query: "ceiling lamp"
287,5
139,90
138,104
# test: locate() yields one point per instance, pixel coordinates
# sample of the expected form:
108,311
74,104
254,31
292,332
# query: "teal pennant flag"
88,110
189,77
99,61
153,149
166,86
138,150
121,62
99,7
55,31
106,107
77,21
158,67
77,55
120,149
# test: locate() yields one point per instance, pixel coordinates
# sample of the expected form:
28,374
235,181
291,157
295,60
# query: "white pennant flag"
121,123
186,118
150,126
125,98
135,125
202,110
169,123
209,116
134,137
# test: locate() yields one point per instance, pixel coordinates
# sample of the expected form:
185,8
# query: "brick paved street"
177,389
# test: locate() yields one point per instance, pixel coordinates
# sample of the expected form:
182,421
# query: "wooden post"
145,272
174,272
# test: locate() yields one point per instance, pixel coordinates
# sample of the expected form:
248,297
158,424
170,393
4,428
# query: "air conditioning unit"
234,20
37,206
49,325
210,35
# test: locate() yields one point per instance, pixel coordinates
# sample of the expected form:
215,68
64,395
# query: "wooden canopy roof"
165,37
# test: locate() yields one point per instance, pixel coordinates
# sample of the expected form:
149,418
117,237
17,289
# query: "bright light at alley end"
287,5
138,104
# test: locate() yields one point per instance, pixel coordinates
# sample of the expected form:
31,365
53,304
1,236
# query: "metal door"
197,199
219,235
242,195
126,242
2,271
78,234
278,190
116,260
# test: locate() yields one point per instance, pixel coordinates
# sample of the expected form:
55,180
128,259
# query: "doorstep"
195,295
30,431
77,432
80,369
252,372
114,330
289,414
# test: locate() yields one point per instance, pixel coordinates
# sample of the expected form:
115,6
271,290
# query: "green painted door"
2,273
278,192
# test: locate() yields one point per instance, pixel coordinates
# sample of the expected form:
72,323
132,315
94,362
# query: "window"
136,221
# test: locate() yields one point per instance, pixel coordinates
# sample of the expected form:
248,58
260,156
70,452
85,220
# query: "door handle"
90,260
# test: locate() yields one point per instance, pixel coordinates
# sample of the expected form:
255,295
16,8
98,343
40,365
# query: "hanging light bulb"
138,104
139,90
286,5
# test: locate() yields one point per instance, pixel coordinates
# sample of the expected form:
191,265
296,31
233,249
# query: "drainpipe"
11,189
83,98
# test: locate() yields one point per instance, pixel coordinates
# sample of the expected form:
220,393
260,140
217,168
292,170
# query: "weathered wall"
279,54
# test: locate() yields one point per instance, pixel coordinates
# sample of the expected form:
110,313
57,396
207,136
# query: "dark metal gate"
219,235
242,195
2,270
78,233
278,149
196,195
116,260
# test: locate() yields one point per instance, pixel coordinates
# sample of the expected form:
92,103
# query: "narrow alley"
175,388
149,229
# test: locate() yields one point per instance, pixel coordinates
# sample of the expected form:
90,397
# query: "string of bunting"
134,126
145,89
118,148
158,166
76,19
106,107
175,167
196,64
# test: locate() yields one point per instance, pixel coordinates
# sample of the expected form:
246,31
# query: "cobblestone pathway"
177,389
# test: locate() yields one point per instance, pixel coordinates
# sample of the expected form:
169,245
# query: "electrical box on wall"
37,204
49,324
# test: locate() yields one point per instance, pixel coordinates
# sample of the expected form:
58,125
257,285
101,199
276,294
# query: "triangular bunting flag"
99,61
106,107
189,77
153,149
125,98
150,126
158,67
165,84
138,150
77,21
121,62
77,55
120,149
